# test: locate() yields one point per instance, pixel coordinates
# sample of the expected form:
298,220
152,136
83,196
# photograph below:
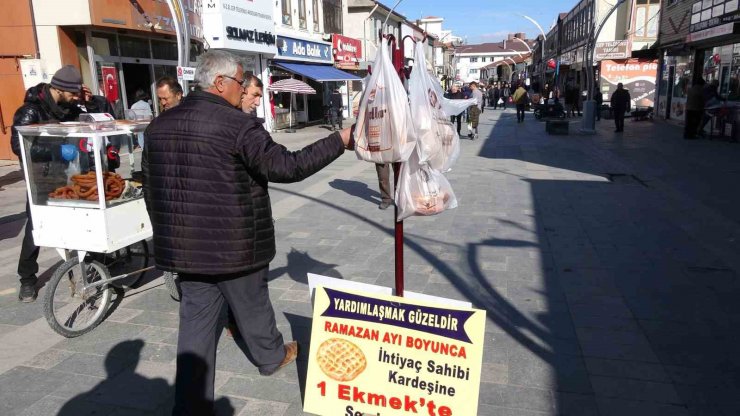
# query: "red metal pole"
397,59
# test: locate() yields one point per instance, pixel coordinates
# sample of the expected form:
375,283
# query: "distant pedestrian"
520,100
455,94
496,96
474,110
621,102
336,109
694,109
505,94
599,98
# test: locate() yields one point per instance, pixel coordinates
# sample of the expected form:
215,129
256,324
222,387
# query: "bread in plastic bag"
384,131
422,190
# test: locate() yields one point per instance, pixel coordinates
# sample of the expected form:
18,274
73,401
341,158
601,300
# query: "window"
315,13
302,14
473,71
333,16
287,15
474,59
646,18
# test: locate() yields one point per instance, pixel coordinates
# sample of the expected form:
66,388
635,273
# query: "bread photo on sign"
340,359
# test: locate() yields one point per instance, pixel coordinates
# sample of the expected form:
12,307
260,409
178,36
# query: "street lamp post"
588,123
544,40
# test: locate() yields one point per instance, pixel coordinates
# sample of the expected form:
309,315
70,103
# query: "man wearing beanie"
45,103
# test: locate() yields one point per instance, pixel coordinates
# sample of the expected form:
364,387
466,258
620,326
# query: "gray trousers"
384,181
200,308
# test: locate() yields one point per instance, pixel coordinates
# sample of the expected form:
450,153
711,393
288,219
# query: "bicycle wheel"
128,260
69,309
173,284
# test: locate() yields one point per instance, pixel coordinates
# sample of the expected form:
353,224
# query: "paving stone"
94,365
641,390
21,387
264,407
621,407
627,369
48,359
516,397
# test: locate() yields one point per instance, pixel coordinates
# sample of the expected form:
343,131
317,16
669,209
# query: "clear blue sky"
486,20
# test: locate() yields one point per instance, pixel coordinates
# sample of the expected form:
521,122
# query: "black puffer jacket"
206,170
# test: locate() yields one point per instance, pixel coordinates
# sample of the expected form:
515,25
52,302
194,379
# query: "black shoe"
27,294
384,205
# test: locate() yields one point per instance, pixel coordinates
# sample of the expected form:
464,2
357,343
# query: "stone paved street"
608,266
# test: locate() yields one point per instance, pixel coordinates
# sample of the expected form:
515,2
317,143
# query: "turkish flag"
110,83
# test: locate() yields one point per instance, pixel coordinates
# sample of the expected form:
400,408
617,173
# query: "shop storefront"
311,62
126,49
675,79
714,37
347,57
246,32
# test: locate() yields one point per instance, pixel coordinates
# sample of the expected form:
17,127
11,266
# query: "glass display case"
84,184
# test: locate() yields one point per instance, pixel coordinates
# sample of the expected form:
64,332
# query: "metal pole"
397,59
588,123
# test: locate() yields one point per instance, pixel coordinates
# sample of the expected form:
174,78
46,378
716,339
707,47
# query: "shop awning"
319,73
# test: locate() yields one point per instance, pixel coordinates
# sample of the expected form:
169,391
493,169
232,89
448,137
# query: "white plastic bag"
384,131
450,149
422,190
432,126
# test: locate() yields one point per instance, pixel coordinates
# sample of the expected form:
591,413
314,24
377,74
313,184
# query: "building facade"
473,62
119,48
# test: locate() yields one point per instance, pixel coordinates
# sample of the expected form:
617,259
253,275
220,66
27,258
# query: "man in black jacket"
206,169
44,103
621,103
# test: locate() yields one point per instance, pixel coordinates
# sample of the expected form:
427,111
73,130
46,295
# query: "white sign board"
240,25
186,73
34,72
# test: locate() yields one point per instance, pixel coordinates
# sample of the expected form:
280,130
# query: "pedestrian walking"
505,94
599,98
694,109
455,94
621,103
207,167
474,110
492,96
521,98
63,99
336,109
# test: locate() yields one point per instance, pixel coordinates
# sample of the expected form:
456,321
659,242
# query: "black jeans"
459,119
495,102
619,120
28,264
200,308
693,120
336,117
520,112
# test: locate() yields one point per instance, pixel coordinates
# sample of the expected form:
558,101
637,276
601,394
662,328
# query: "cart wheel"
173,284
127,260
68,308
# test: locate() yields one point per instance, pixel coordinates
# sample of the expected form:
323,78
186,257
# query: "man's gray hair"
213,64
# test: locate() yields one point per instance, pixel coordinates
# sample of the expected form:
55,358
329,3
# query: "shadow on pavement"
125,389
300,263
357,189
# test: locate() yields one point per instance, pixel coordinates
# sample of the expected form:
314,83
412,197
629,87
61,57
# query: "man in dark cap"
53,102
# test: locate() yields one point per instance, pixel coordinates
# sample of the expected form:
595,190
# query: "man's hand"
348,137
86,94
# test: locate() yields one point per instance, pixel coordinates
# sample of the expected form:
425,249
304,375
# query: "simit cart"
100,235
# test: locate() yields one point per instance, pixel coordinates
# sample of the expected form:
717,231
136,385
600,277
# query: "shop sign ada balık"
386,355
